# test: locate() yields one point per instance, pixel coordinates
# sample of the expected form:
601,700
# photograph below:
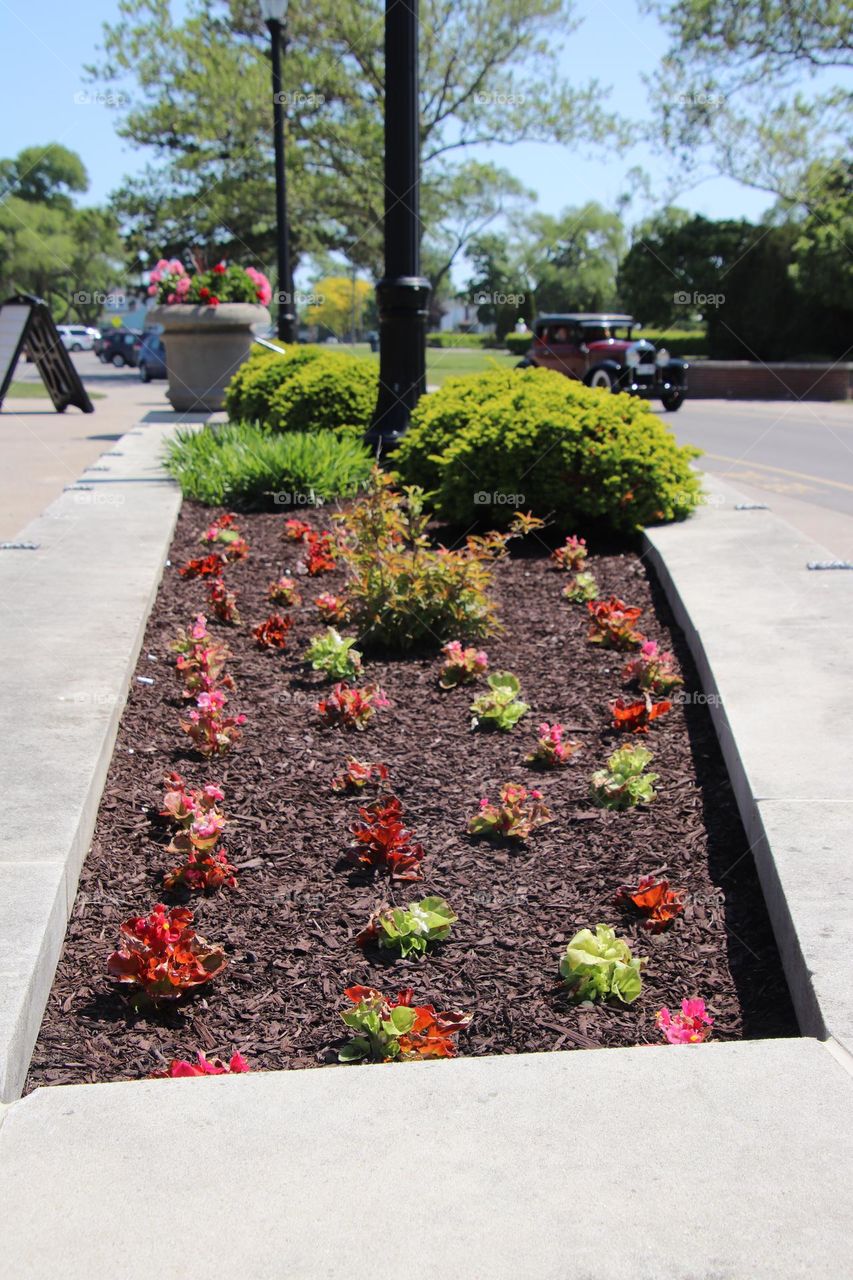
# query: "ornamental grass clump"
395,1030
461,665
598,966
162,955
514,817
624,782
409,930
501,708
334,655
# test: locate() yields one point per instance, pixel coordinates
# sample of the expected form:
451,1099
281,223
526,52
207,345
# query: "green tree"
823,249
70,257
498,277
755,88
572,259
198,95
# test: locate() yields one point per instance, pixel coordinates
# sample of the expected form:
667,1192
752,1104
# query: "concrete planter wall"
204,346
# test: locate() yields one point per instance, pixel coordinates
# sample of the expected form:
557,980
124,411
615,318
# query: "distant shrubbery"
488,444
463,340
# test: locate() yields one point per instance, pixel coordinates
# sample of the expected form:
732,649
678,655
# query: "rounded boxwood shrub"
532,438
335,392
250,391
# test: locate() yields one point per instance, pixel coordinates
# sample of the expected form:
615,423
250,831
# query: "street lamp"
274,14
402,295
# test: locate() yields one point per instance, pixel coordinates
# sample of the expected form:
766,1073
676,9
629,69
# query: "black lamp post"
402,295
274,14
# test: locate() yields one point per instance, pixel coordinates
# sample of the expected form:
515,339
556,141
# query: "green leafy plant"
585,457
624,782
336,392
333,654
501,708
409,930
395,1029
401,590
582,588
599,965
248,394
245,464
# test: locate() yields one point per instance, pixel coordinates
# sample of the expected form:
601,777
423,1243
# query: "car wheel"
118,360
672,400
144,374
602,378
525,364
75,346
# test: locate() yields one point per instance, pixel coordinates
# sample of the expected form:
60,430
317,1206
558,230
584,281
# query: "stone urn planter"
204,347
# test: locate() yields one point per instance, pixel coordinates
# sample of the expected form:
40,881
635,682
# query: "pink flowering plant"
358,775
208,728
178,1068
572,555
691,1026
347,708
653,669
331,608
201,659
171,283
284,591
553,749
225,536
199,823
461,665
517,813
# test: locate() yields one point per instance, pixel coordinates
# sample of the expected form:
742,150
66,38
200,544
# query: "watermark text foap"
482,298
98,498
683,298
500,99
100,98
84,299
303,100
284,498
299,299
485,499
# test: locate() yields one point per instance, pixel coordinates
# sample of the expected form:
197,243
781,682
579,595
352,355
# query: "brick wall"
743,380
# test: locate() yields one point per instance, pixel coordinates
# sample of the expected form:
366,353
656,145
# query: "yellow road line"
746,463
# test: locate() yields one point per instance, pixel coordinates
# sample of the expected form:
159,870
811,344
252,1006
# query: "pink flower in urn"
162,267
172,297
691,1026
152,290
176,267
183,286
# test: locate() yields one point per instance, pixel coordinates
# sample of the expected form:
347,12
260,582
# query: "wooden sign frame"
25,321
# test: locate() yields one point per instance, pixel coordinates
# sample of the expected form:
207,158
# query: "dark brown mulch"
289,927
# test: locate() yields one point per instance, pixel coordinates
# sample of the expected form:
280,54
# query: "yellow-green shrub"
533,439
248,395
335,392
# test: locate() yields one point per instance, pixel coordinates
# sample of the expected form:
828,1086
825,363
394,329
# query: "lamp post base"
403,312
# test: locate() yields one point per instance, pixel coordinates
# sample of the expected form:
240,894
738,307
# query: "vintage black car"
602,350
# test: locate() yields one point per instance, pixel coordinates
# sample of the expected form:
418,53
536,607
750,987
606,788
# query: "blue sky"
45,47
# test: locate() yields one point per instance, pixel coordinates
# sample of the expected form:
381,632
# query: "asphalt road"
799,450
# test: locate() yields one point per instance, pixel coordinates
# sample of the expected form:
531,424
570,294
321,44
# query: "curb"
770,639
78,606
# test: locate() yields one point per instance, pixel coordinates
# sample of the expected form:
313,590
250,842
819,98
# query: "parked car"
602,350
117,347
77,337
151,356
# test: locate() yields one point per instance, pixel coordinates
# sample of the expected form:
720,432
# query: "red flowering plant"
552,748
461,665
637,715
652,669
199,824
332,608
516,815
222,602
201,659
653,899
180,1067
691,1026
210,731
225,535
572,555
347,708
284,591
388,1030
272,633
295,530
612,624
162,954
322,553
171,283
357,775
382,843
204,567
